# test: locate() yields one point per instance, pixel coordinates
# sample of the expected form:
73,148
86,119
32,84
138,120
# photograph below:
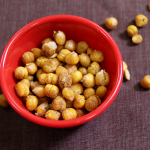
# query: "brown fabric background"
125,125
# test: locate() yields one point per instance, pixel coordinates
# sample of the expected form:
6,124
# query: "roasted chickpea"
79,101
52,115
26,81
81,47
77,88
149,5
31,102
62,54
21,73
71,45
69,113
30,78
137,39
83,70
59,48
54,79
43,99
71,68
47,40
94,68
127,74
76,76
60,37
80,112
88,80
40,61
97,56
59,103
39,72
111,23
68,93
125,66
88,92
34,84
37,52
3,101
132,30
32,68
145,82
69,104
84,60
72,58
51,91
39,91
101,91
60,70
92,103
27,57
56,61
42,78
89,51
141,20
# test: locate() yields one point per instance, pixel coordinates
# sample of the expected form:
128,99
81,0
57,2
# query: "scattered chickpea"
69,113
141,20
97,56
62,54
81,47
37,52
79,101
21,73
111,23
101,91
76,76
39,91
88,92
84,60
124,66
127,74
94,68
83,70
145,82
137,39
27,57
3,101
80,112
68,93
132,30
77,88
72,58
149,5
31,102
52,115
60,37
70,45
88,80
32,68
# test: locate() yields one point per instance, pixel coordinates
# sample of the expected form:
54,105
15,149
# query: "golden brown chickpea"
52,115
49,49
51,91
89,51
48,78
141,20
30,78
69,113
39,91
132,30
68,93
3,101
149,5
56,61
80,112
42,109
69,104
54,79
51,107
39,72
59,48
71,68
34,84
145,82
59,103
125,66
70,45
137,39
77,88
94,68
61,69
102,78
111,23
60,37
47,40
88,92
21,89
97,56
37,52
32,68
72,58
79,101
43,99
101,91
31,102
92,103
81,47
76,76
21,73
27,57
83,70
62,54
84,60
40,61
88,80
26,81
42,78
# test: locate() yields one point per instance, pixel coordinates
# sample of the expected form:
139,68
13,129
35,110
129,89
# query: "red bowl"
76,28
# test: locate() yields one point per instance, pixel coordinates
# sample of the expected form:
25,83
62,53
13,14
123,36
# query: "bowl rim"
63,123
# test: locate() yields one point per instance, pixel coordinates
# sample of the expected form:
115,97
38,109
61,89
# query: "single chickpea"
59,48
3,101
56,61
80,112
141,20
21,89
125,66
30,78
132,30
42,78
40,61
137,39
72,58
97,56
111,23
37,52
39,91
68,93
52,115
61,69
47,40
60,37
48,78
88,80
39,72
101,91
81,47
145,82
77,88
89,51
62,54
94,68
88,92
76,76
51,91
43,99
102,78
42,109
69,113
83,70
71,68
59,103
149,5
21,73
84,60
54,79
49,49
26,81
92,103
32,68
70,45
79,101
127,74
27,57
69,104
31,102
34,84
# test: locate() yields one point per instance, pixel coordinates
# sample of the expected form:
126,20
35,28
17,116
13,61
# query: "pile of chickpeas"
62,80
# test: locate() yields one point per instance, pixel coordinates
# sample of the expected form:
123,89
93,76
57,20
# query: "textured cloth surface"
125,125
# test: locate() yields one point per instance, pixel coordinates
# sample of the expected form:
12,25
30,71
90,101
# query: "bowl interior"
32,35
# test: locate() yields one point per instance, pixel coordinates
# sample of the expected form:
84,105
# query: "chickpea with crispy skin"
61,69
30,78
81,47
26,81
79,101
145,82
101,91
83,70
31,102
111,23
76,76
141,20
88,92
132,30
32,68
42,78
70,45
37,52
40,61
97,56
47,40
84,60
80,112
71,68
27,57
77,88
72,58
137,39
21,73
68,93
52,115
60,37
69,113
88,80
56,61
89,51
62,54
94,68
34,84
39,91
43,99
39,72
